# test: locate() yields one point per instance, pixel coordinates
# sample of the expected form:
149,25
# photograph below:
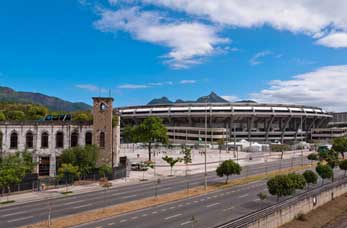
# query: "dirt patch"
118,209
330,215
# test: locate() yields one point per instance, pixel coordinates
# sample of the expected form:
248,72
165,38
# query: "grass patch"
118,209
7,202
67,192
329,215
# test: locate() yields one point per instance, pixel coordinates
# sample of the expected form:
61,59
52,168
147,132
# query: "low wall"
283,216
285,211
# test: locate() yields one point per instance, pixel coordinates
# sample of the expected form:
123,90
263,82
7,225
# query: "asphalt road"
24,214
209,210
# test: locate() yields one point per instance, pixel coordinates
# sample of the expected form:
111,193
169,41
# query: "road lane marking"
135,217
20,219
127,197
172,208
212,205
186,223
144,215
164,189
111,224
154,212
228,209
173,216
16,213
85,205
73,202
243,196
123,220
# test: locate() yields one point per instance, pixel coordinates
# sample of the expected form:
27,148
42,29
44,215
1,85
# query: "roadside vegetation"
13,168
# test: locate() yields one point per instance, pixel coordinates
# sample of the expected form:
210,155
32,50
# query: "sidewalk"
162,171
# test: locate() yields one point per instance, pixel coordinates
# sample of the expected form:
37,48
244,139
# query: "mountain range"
52,103
211,98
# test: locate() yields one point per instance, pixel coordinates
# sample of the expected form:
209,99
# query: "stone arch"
14,140
74,139
29,140
102,139
88,138
59,139
44,139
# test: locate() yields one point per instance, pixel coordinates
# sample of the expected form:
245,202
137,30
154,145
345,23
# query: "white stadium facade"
191,122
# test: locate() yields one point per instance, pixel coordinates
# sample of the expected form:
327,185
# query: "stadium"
190,123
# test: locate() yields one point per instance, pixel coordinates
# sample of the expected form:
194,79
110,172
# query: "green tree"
68,172
172,162
15,115
227,168
343,165
310,177
82,157
151,131
36,112
187,159
105,170
2,116
298,180
14,167
82,116
324,171
312,157
340,145
280,185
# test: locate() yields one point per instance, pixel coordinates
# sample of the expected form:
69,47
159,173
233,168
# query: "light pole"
205,157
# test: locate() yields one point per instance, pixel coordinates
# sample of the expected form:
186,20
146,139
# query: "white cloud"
324,87
91,88
308,16
187,82
133,86
334,40
188,41
230,98
255,60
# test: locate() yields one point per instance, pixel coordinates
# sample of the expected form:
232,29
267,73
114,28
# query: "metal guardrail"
255,216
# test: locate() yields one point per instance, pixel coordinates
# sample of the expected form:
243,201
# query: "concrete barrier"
287,210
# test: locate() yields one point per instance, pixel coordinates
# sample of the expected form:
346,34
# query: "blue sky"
180,49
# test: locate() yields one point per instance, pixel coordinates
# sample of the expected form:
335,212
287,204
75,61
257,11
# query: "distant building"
46,140
231,121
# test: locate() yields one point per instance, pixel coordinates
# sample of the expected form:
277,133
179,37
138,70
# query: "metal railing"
255,216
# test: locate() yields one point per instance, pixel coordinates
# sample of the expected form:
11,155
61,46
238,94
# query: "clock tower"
103,132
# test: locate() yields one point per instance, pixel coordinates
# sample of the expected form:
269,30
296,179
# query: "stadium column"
268,128
284,127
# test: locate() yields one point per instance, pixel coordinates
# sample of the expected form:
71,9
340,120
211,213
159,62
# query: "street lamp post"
205,157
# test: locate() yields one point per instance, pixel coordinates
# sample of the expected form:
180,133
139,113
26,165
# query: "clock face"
103,107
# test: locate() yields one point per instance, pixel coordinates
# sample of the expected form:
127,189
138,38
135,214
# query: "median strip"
97,214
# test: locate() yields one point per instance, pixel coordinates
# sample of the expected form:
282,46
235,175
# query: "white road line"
185,223
20,219
127,197
212,205
243,196
144,215
123,220
172,208
228,209
164,189
174,216
111,224
85,205
154,212
133,218
17,213
73,202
